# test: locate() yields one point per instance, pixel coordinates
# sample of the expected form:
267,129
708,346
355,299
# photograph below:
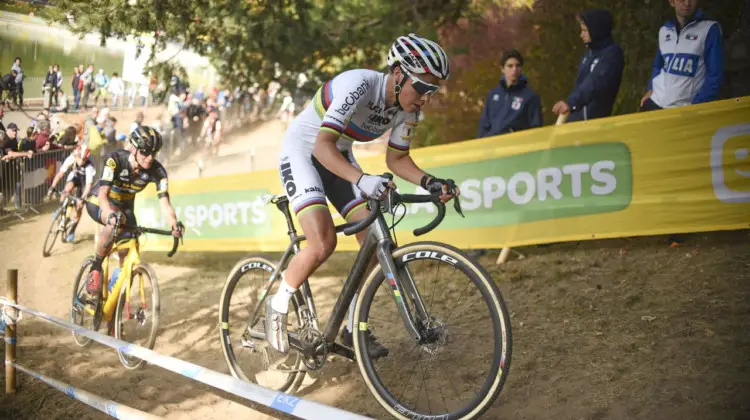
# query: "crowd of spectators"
688,69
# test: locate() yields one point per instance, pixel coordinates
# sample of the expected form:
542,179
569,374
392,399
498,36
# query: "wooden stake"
505,253
10,335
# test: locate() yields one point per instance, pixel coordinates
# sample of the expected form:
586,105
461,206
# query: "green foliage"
255,40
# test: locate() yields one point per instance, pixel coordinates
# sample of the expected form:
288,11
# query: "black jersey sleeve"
159,176
111,166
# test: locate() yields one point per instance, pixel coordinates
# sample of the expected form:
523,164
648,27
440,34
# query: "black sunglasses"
147,152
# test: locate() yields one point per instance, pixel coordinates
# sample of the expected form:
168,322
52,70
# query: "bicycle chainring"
316,349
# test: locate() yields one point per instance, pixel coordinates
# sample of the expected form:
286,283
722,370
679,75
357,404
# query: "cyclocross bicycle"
130,317
438,312
61,223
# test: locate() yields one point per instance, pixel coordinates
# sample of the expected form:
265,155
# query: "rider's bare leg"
318,227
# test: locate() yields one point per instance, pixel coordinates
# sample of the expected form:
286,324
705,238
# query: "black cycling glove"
435,185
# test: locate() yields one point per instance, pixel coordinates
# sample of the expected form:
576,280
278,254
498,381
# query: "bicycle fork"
402,286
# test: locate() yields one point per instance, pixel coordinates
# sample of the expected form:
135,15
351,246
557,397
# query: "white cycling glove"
372,186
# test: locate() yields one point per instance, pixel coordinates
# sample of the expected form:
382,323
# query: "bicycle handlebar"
166,233
395,198
422,198
140,229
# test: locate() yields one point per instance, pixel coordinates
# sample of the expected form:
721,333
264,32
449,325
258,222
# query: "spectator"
50,80
13,150
11,144
176,112
76,86
101,81
174,83
2,114
30,139
195,114
143,92
65,139
8,84
19,81
62,103
600,71
117,89
137,123
87,128
211,132
58,82
87,85
42,139
512,105
689,65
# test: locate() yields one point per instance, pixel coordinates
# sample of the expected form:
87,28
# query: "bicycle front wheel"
137,320
458,367
250,358
54,230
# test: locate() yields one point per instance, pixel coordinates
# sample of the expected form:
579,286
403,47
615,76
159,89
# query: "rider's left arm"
162,192
168,211
403,166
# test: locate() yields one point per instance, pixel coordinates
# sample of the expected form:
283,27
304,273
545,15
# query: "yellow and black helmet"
146,139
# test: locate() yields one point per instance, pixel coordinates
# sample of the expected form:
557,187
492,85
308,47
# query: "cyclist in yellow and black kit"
125,174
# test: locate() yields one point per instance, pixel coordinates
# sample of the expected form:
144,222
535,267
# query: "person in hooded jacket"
600,71
512,105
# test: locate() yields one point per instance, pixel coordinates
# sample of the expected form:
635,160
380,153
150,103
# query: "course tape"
296,406
104,405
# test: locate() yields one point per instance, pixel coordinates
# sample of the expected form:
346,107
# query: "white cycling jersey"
85,172
352,105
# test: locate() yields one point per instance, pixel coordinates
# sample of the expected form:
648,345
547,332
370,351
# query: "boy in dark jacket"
600,71
512,105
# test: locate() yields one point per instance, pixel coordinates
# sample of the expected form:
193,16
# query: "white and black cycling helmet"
419,56
146,139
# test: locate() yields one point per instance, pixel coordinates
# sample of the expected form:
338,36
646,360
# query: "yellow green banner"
669,171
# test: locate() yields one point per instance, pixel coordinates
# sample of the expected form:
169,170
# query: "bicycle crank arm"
342,351
295,343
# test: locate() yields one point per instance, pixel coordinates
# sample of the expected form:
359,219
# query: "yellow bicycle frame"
132,259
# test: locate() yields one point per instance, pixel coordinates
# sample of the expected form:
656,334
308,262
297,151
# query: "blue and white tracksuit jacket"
689,66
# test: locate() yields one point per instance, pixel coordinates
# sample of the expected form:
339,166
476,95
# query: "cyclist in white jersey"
81,178
316,160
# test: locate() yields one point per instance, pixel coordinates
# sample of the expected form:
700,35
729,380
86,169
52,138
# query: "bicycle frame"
378,242
132,259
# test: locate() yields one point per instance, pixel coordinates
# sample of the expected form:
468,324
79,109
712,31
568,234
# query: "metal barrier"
24,181
279,401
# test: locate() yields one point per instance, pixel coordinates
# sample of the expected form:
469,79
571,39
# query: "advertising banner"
670,171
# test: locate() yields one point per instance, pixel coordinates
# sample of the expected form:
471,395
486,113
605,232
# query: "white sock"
280,301
350,324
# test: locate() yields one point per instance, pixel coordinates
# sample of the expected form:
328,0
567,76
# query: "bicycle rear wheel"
58,222
251,359
137,321
83,312
463,357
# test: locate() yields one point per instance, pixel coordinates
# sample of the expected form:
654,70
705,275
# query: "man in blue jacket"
512,105
600,71
689,66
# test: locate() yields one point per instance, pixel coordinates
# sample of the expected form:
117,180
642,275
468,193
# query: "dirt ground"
616,329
